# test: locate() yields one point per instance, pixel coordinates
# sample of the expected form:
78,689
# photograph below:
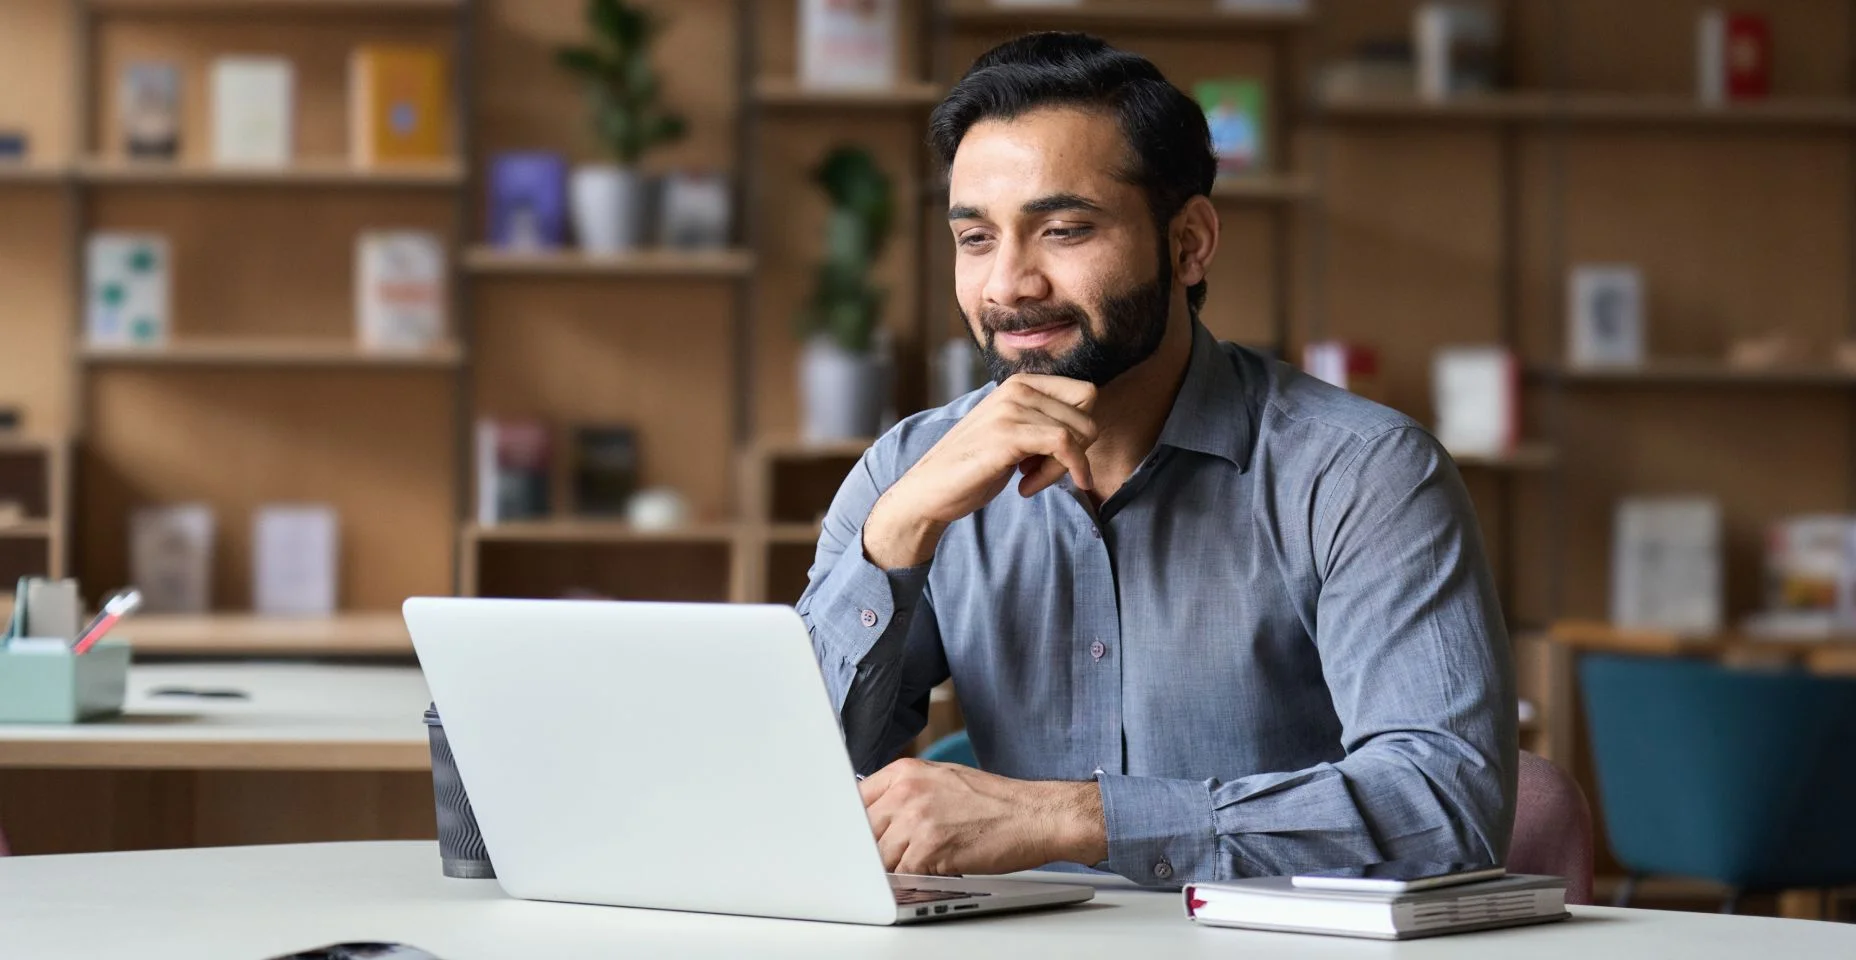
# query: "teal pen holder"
58,686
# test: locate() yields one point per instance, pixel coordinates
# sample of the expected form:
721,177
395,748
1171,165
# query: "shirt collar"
1211,414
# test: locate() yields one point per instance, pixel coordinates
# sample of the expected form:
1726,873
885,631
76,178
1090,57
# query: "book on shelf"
1458,48
1666,565
1477,395
694,212
148,110
126,289
253,112
605,469
1275,903
1810,577
1236,111
514,461
1349,366
399,106
1605,322
294,554
1383,67
1733,56
528,201
848,44
171,557
399,289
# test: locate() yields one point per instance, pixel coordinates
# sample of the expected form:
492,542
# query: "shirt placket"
1097,646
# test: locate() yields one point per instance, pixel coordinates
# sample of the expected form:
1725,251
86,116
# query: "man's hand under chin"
942,819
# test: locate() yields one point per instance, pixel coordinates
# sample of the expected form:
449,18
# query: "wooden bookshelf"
597,531
1122,15
26,530
14,173
259,8
787,93
370,634
1526,456
721,264
1264,188
268,352
795,449
1713,373
794,534
1539,107
311,172
1599,637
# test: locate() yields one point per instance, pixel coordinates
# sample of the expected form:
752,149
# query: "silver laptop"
673,756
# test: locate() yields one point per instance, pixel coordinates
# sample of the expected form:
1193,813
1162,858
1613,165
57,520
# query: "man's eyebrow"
965,212
1060,201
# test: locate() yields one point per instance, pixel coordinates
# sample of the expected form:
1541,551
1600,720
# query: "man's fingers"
1076,421
1040,473
1076,393
873,786
1055,442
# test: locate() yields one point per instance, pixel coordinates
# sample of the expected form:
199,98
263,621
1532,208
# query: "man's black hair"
1165,129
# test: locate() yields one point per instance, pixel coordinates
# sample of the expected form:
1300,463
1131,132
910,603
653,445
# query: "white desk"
298,717
256,902
316,753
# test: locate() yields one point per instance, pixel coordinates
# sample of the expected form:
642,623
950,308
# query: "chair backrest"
1552,827
1743,777
956,747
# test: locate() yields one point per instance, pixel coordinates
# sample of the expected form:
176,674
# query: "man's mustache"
1031,318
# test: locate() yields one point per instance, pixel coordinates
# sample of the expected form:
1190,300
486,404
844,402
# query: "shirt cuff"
859,604
1160,832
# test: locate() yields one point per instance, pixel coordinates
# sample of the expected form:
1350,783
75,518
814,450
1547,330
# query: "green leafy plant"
845,305
622,86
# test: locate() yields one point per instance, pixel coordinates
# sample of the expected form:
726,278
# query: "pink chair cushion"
1552,828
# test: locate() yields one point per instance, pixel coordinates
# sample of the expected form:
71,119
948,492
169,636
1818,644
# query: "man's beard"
1133,324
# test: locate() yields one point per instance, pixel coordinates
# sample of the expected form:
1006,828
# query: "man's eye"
1067,233
974,239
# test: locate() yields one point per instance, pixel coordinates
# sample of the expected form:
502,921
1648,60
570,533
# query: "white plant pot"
838,392
609,205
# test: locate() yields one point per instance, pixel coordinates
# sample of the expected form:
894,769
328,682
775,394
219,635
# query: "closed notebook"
399,105
1274,903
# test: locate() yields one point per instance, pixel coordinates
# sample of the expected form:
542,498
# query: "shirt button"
868,617
1163,870
1097,772
1096,532
1097,649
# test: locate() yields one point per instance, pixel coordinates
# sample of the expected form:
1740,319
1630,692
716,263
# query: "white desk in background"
315,753
257,902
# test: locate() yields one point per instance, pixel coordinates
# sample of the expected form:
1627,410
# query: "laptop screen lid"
677,756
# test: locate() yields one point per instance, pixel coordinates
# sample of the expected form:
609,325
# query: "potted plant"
840,369
609,199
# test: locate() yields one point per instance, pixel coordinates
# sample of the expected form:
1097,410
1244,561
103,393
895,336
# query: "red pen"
114,609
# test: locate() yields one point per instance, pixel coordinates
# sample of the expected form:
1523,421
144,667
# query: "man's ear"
1194,241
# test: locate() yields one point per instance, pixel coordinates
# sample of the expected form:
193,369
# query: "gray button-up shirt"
1277,646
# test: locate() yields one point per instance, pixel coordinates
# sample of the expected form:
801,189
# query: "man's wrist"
896,538
1078,830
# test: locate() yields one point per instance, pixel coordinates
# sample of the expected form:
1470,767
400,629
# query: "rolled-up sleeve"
1412,646
873,631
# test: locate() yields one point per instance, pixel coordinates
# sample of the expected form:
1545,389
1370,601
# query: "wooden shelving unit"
254,352
1122,15
1525,107
787,93
311,172
1703,373
1526,456
380,634
598,531
721,264
1264,188
26,530
251,8
14,174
